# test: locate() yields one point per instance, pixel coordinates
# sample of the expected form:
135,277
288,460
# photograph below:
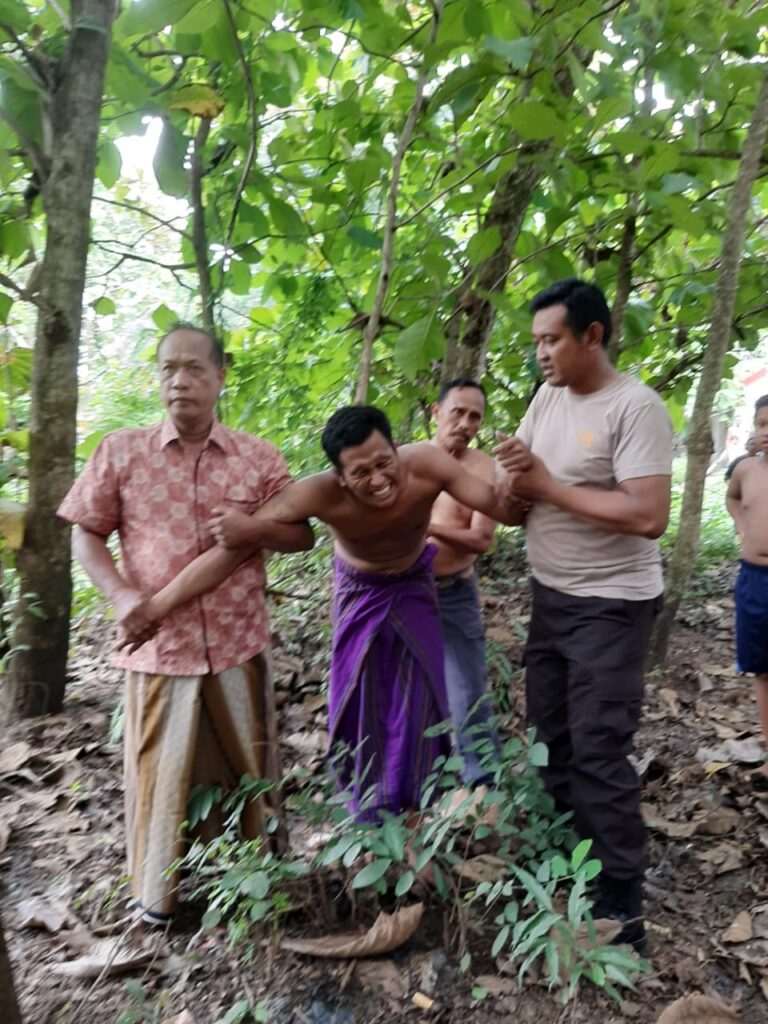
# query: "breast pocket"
243,486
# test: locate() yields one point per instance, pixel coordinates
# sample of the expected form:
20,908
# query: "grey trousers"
471,707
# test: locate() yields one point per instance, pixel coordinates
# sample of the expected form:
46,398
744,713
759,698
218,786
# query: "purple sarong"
387,685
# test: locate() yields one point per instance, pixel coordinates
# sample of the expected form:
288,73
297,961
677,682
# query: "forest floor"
61,853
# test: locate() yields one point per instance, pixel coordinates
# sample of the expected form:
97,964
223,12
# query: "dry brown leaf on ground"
697,1009
754,952
720,858
673,829
14,757
483,868
748,751
497,986
383,976
44,912
386,933
719,821
107,956
185,1017
740,929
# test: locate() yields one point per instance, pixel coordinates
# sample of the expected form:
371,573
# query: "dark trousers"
584,664
471,706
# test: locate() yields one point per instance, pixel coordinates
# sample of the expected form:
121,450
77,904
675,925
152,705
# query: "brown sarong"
182,731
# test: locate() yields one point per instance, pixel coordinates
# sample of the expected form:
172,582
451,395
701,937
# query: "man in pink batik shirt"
199,705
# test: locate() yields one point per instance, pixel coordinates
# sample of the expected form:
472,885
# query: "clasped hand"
530,478
231,527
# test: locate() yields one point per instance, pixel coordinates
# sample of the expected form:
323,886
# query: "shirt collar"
219,435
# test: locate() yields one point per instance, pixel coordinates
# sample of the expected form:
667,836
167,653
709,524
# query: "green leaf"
516,51
371,873
418,345
580,852
152,15
404,883
168,161
501,940
534,120
6,302
483,244
103,306
364,237
256,885
479,993
196,98
110,163
538,755
286,219
164,317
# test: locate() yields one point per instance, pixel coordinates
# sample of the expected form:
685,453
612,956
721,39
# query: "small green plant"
244,1012
244,883
141,1011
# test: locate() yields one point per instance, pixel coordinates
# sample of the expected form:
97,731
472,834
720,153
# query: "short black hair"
218,356
585,304
460,382
352,425
761,403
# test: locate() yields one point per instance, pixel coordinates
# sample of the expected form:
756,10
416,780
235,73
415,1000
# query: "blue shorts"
751,596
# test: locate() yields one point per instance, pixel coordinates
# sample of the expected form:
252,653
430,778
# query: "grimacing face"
459,416
371,471
190,381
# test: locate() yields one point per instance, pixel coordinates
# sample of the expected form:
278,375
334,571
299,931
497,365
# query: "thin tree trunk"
623,286
700,437
41,635
468,331
199,234
387,250
9,1007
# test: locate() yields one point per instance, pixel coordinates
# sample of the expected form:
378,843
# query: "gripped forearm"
202,575
92,553
466,540
615,510
284,537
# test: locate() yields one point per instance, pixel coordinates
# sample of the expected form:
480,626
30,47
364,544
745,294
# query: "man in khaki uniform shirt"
600,483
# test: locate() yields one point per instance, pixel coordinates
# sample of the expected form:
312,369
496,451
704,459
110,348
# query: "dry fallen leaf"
697,1009
719,821
110,956
386,933
673,829
495,985
670,698
721,858
13,757
423,1002
748,751
483,868
740,928
49,914
384,976
5,835
754,952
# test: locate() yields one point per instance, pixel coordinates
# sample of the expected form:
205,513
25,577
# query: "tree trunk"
41,635
468,331
9,1008
700,437
199,233
623,286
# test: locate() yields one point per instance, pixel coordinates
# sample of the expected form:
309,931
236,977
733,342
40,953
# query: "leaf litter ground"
61,856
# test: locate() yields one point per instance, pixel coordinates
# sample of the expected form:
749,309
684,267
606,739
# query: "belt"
443,582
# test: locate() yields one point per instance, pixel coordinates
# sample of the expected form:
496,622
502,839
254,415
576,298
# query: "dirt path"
60,840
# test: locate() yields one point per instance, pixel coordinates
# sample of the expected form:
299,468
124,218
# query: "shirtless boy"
747,502
461,535
387,683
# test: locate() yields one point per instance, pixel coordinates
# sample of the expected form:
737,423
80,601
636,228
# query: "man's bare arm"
474,539
496,502
280,525
130,604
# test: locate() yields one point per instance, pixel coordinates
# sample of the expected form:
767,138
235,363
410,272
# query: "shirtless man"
747,502
387,681
462,534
